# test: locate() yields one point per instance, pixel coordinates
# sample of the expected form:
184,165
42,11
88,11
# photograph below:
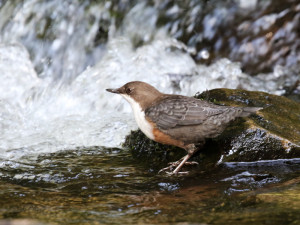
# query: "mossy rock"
272,133
151,153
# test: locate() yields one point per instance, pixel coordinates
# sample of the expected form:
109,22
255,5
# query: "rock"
272,133
151,152
260,35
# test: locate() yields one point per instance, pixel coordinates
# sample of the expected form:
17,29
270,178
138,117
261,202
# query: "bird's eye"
128,90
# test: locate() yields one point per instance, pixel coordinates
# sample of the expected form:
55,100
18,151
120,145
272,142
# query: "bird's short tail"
247,111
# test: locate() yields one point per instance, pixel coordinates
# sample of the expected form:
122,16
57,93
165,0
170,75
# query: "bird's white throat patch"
139,116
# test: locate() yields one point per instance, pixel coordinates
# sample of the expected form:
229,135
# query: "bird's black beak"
116,91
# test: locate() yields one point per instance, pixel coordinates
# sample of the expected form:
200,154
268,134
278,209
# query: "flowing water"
61,159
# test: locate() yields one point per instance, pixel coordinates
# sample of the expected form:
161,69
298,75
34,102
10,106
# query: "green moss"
280,115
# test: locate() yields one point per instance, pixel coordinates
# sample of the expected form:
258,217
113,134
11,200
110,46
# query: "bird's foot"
171,169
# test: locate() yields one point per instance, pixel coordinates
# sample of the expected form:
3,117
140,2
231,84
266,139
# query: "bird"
182,121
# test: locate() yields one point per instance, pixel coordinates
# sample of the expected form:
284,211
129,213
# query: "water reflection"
108,185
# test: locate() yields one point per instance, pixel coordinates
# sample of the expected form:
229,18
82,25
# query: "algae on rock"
271,133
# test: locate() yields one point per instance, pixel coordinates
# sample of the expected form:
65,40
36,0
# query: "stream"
61,133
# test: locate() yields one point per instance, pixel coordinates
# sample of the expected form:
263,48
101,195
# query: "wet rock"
254,33
272,133
151,152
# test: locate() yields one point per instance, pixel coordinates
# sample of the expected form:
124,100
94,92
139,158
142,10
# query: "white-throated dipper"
178,120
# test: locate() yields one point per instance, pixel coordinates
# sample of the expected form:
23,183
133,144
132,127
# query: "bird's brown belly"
163,138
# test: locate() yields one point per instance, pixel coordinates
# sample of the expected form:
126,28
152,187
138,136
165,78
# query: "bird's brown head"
140,92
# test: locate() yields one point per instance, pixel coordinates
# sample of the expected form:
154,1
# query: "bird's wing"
175,110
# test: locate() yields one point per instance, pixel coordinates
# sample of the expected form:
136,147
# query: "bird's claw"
173,165
192,163
178,173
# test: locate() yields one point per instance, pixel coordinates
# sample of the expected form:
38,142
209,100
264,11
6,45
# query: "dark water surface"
108,186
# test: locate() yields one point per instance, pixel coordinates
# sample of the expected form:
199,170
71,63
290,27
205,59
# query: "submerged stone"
271,133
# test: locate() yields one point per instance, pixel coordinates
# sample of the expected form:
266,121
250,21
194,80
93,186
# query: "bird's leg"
191,149
176,164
